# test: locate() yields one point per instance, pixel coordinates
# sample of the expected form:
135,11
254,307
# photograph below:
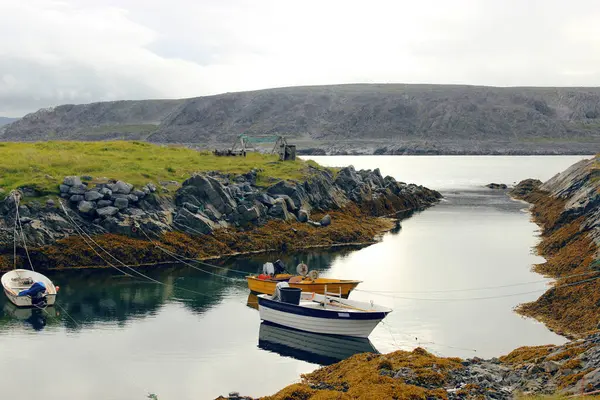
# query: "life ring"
133,229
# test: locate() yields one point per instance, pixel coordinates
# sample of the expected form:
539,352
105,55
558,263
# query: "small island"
132,197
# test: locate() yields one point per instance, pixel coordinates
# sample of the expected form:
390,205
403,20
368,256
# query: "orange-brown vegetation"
569,310
364,376
5,262
527,354
348,226
569,380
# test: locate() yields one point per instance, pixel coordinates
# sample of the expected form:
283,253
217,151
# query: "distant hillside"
346,118
6,120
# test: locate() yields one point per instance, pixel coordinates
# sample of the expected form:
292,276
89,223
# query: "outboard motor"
37,292
279,267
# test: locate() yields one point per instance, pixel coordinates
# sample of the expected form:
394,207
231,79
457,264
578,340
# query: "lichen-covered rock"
106,192
107,211
303,216
193,223
293,191
72,180
326,220
201,190
132,198
92,195
192,208
78,189
280,211
64,188
104,203
86,207
122,187
121,203
266,199
138,193
76,198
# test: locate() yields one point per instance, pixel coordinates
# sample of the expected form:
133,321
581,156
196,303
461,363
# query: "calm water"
123,339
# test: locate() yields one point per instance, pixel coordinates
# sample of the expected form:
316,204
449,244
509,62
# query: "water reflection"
311,347
252,301
35,317
103,296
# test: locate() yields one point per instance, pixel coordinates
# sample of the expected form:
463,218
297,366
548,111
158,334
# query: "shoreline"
350,228
569,308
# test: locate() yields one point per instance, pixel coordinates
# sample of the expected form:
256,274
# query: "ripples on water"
122,339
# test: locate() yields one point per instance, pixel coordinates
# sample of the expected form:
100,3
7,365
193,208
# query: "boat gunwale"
334,282
264,300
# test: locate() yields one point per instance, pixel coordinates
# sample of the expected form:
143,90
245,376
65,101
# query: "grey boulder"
122,187
121,203
104,203
78,189
303,216
76,198
72,180
93,196
107,211
326,220
86,207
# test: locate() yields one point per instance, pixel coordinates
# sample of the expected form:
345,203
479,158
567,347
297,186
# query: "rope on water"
193,259
181,260
67,314
483,298
477,288
133,270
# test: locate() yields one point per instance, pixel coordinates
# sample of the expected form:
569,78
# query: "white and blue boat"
317,313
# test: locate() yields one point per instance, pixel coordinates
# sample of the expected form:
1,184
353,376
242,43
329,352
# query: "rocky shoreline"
208,215
567,209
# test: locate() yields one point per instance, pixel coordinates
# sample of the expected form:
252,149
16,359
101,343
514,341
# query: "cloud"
82,51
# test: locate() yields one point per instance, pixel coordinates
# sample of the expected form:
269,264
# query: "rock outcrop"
206,202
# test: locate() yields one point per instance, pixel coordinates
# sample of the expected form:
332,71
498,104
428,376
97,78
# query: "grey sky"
73,51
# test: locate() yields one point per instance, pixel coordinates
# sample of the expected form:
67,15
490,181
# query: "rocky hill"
374,118
6,120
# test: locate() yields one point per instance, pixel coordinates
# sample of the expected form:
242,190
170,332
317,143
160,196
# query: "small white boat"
23,287
311,347
19,287
317,313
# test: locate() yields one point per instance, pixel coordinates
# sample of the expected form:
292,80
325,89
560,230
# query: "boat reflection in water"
252,301
311,347
35,317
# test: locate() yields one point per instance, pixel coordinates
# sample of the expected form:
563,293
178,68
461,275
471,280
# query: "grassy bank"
43,165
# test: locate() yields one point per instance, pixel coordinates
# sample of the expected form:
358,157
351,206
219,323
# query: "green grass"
43,165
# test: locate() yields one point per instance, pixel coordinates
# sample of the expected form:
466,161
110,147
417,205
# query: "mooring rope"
81,233
133,270
181,260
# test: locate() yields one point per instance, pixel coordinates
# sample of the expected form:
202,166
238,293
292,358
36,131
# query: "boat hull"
328,322
12,293
317,286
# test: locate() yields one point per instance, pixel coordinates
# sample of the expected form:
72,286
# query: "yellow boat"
266,285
